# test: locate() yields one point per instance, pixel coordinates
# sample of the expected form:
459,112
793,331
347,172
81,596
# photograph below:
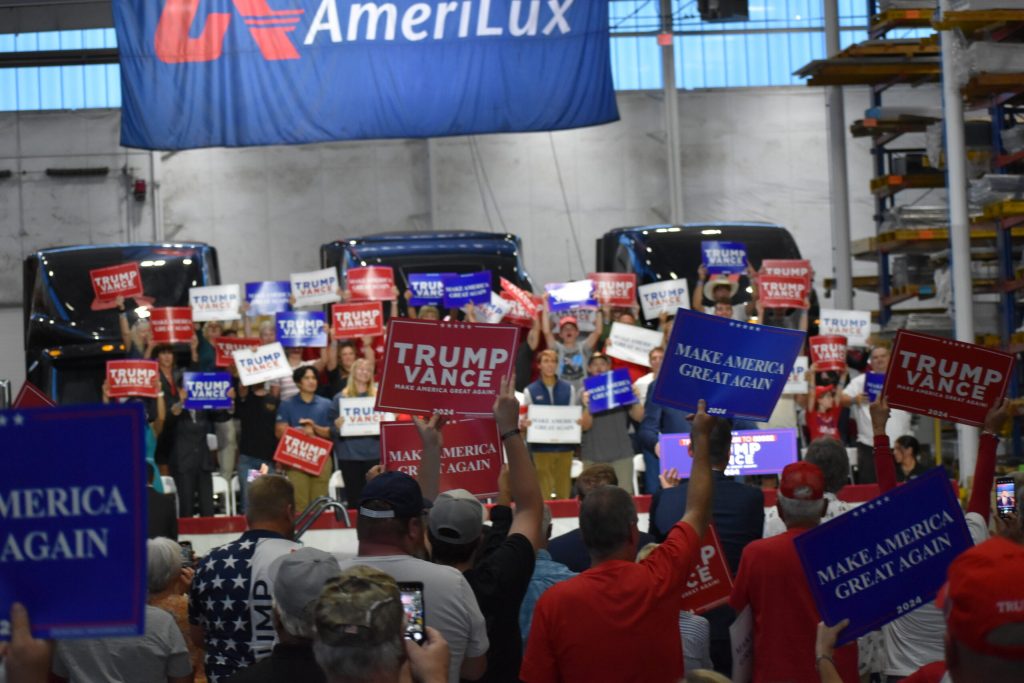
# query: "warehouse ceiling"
27,16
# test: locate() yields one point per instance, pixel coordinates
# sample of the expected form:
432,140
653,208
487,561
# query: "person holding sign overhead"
720,290
553,461
354,455
822,408
572,353
606,434
856,399
311,414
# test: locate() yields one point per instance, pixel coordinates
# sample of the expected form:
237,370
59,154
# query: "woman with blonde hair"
355,455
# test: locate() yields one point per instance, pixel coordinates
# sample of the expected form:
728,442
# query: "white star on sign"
19,419
227,602
3,420
216,582
239,624
245,545
229,562
239,582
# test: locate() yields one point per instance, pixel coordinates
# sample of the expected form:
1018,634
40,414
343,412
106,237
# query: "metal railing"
313,511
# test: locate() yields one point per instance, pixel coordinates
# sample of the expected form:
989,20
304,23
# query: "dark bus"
67,342
672,252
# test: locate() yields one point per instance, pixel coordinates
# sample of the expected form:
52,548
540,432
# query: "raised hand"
879,410
997,416
506,407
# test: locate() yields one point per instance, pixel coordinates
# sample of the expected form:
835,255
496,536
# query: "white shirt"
642,386
916,638
899,420
773,524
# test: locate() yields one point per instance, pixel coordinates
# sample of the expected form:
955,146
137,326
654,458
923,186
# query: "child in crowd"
822,408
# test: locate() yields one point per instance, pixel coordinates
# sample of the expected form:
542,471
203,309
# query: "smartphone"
186,553
412,603
1006,496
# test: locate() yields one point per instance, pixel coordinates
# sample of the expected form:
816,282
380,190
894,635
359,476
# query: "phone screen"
412,603
186,553
1006,496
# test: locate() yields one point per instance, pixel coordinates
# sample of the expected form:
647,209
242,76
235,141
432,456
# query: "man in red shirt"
592,627
772,583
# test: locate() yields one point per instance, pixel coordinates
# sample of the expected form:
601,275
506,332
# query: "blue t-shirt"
294,409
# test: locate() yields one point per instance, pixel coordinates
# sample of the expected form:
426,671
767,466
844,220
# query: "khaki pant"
623,472
554,472
307,487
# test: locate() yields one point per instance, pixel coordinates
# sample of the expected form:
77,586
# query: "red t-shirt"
618,621
771,580
824,424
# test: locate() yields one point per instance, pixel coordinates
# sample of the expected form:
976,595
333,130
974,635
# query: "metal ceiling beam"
9,60
29,16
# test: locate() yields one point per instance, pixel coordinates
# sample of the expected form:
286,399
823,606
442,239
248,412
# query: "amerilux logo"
340,21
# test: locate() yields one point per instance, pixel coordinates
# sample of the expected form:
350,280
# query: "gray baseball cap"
299,578
457,517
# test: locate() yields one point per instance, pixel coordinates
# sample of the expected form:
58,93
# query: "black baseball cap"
401,492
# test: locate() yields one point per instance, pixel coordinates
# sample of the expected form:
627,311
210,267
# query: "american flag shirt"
232,599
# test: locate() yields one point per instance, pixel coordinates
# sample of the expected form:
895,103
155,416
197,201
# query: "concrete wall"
751,154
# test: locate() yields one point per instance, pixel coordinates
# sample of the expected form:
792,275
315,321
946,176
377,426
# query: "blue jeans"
652,468
246,463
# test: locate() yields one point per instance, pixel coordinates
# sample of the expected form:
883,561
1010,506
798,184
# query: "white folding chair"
223,490
169,487
236,494
639,467
336,485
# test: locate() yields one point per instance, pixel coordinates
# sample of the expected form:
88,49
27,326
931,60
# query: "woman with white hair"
159,656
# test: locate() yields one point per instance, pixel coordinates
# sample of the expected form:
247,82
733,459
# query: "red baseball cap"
802,481
983,594
568,320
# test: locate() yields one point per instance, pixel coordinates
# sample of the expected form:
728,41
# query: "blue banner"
739,368
724,257
268,298
753,451
207,391
873,383
565,296
427,288
469,288
73,520
886,557
610,390
266,72
302,328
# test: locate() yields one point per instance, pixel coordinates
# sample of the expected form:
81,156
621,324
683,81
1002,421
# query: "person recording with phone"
360,620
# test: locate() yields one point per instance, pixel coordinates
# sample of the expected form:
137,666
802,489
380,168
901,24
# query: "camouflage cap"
360,606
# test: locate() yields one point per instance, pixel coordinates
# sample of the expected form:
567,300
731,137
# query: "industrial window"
780,37
59,87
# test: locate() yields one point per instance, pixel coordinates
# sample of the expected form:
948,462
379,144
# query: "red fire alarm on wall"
139,190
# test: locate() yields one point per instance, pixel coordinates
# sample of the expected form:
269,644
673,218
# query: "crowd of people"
503,599
499,605
554,358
